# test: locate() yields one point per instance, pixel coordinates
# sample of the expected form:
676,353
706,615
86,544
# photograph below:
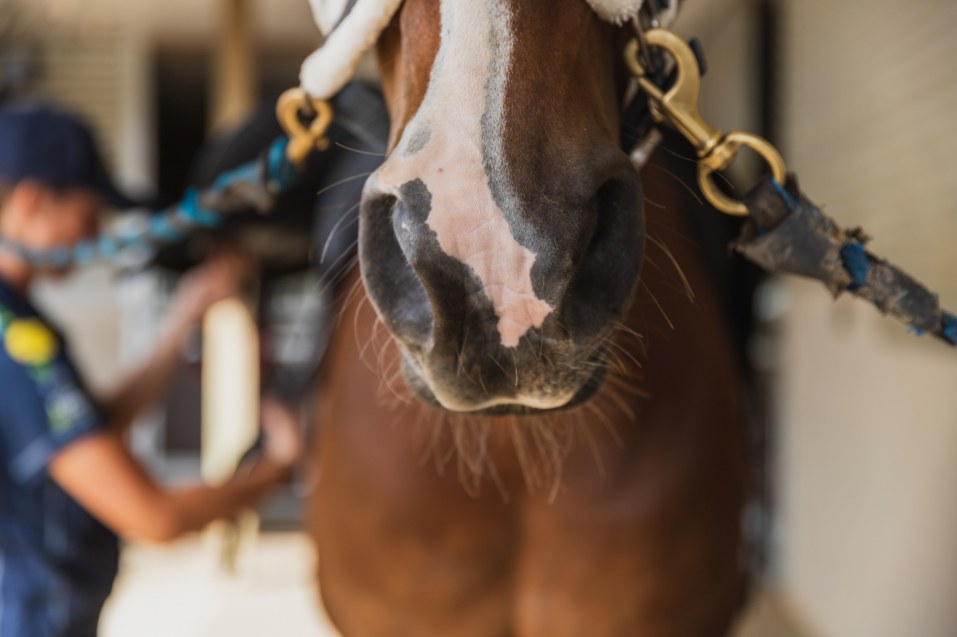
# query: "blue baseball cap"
55,148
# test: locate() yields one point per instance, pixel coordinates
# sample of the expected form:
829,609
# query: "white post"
230,337
233,92
230,412
230,388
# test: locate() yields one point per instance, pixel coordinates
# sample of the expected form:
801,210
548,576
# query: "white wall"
868,412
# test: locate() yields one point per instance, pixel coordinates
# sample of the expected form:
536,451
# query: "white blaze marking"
470,225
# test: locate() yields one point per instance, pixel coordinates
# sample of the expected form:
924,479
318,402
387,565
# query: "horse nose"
609,259
428,298
577,281
394,270
481,303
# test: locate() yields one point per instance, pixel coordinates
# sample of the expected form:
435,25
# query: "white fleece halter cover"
330,67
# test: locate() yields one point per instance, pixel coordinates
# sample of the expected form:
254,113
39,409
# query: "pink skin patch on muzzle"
461,106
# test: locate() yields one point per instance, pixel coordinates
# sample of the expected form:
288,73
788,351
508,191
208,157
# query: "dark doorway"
181,85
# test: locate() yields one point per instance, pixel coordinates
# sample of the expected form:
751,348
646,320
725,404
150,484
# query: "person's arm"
216,280
146,384
99,473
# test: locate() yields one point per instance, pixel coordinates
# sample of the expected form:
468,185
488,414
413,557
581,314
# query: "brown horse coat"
619,517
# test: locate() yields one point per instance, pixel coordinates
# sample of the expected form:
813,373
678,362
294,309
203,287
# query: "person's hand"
221,277
282,441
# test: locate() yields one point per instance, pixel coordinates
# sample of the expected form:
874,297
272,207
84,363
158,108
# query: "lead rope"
253,185
785,231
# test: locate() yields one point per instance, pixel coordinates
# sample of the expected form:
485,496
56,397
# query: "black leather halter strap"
636,119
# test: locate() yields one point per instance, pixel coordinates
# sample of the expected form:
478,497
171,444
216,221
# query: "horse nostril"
386,241
608,268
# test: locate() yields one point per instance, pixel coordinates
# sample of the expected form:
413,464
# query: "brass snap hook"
303,138
679,105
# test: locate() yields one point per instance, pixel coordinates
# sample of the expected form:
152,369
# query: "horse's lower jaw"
497,406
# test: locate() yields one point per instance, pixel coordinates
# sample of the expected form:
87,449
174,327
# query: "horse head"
502,238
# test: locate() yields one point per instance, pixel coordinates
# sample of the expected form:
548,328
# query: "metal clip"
679,105
303,139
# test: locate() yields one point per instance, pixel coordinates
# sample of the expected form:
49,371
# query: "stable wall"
867,413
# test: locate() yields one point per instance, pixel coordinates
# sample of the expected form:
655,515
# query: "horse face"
501,239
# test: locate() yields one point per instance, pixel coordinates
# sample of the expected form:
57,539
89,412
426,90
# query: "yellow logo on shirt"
30,342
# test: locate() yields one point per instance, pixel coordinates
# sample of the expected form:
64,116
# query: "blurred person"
68,483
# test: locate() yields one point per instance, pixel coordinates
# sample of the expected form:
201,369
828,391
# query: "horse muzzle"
469,346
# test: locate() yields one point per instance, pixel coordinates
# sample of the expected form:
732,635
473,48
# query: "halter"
330,13
352,28
785,231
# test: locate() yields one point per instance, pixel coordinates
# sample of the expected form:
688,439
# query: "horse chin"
498,406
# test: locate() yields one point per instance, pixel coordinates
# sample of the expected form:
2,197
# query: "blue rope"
790,199
857,263
949,328
58,258
84,253
107,246
249,173
173,224
281,174
190,212
162,228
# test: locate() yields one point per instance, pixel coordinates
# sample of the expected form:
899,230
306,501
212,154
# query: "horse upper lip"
532,402
425,385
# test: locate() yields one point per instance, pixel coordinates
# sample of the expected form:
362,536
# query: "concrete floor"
182,590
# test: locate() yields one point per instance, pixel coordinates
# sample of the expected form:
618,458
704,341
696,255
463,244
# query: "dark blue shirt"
57,563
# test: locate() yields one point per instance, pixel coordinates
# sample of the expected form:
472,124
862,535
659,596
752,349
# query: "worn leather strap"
788,233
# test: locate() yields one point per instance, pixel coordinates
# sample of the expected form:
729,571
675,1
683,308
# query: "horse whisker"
342,182
690,190
585,432
606,423
660,308
340,225
624,351
681,274
622,404
360,151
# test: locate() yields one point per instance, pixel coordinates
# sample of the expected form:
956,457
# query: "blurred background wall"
155,80
861,95
867,413
863,413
